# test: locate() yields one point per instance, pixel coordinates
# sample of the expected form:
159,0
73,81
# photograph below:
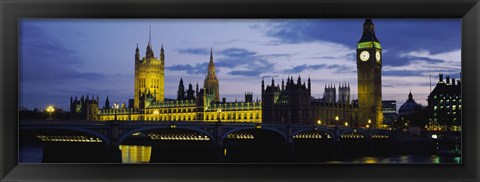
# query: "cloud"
44,59
196,51
249,62
271,56
226,42
396,36
199,68
301,68
423,63
245,62
402,73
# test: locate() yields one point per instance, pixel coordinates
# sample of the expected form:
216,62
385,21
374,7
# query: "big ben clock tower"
369,69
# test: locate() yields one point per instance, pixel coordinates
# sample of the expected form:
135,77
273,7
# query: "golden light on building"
149,103
135,154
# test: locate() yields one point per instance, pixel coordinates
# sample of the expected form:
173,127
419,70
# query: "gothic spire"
368,34
410,96
211,66
162,55
150,36
211,55
149,53
137,54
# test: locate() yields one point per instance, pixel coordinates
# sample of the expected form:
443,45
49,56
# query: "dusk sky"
60,58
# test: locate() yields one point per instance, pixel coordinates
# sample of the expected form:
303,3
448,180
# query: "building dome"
410,106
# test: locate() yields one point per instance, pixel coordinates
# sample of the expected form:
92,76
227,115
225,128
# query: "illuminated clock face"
364,56
378,56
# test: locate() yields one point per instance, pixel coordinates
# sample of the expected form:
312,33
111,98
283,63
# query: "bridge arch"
277,131
92,132
332,135
380,134
353,131
131,132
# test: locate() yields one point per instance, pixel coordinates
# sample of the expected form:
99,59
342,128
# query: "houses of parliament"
290,101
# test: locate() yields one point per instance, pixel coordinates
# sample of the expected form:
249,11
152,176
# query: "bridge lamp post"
346,124
115,108
369,122
336,120
50,109
319,122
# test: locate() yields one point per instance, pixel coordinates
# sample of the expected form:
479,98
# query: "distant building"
292,103
409,107
84,108
389,109
445,105
289,103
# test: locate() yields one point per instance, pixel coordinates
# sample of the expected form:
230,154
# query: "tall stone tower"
369,69
149,75
211,82
344,93
330,94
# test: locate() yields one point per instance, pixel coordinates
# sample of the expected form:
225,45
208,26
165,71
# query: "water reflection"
147,154
135,153
404,159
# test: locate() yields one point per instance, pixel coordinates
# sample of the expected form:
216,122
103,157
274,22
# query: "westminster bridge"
113,133
213,138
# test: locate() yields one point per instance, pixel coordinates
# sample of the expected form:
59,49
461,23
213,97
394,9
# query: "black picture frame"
11,11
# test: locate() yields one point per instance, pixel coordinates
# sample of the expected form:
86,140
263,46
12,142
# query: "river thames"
175,153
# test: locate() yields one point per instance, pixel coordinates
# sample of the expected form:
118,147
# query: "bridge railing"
59,122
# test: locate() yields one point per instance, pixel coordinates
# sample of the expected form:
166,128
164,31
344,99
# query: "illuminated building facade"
149,77
201,105
389,109
289,103
369,76
445,105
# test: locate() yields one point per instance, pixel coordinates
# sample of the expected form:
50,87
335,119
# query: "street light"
319,122
336,120
50,109
115,108
369,122
346,123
